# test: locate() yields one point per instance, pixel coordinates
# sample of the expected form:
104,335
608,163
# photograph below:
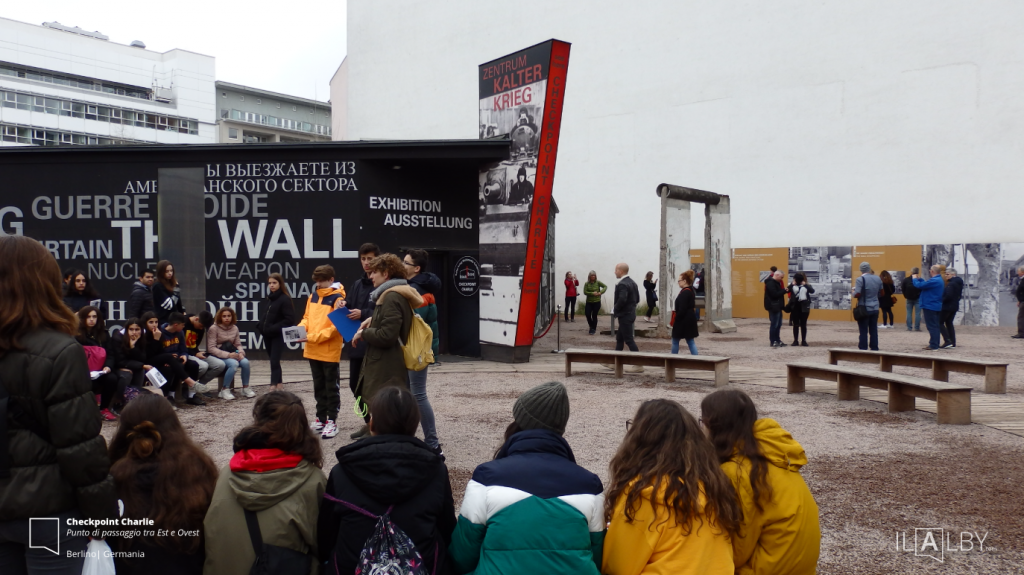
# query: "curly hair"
688,276
389,264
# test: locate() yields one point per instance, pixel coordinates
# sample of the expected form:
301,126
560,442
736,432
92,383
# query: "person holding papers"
323,349
280,315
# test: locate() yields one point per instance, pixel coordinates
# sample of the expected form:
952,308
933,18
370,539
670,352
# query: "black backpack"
272,559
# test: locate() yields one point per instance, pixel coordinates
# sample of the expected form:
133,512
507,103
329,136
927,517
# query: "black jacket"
140,301
951,294
910,292
68,469
77,300
280,315
374,474
1020,290
358,297
652,296
885,300
685,326
774,295
627,296
805,306
166,301
132,359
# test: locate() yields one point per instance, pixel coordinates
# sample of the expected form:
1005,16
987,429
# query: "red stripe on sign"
534,264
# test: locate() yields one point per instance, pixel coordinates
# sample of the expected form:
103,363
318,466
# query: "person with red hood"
274,483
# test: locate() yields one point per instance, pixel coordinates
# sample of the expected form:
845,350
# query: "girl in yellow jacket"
671,510
780,531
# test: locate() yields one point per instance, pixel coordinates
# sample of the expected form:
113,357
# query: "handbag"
893,299
228,347
672,322
861,311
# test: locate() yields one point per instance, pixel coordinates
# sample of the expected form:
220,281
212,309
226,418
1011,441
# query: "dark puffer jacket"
140,301
280,314
374,474
68,470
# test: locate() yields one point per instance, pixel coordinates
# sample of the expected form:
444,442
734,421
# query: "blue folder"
346,327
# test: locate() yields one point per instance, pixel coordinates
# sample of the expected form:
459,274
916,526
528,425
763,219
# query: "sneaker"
634,369
226,394
330,430
780,344
948,346
437,451
316,425
195,400
173,406
248,393
361,432
107,415
607,366
201,388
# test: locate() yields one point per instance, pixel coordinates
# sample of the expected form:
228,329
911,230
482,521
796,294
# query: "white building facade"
66,86
828,124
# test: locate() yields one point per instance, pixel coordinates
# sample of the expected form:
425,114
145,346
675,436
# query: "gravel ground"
873,474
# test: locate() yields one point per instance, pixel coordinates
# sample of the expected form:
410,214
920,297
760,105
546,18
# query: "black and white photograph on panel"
985,269
829,270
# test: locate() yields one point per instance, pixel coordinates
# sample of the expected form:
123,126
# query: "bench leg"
832,359
670,371
954,407
848,390
618,367
794,383
938,372
899,402
721,374
995,379
568,366
885,364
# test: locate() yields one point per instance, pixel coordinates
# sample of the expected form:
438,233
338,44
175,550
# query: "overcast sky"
288,47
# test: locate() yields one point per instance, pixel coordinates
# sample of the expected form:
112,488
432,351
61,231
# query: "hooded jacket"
785,537
952,293
428,286
323,342
532,510
652,544
385,360
140,301
377,473
282,488
68,469
931,292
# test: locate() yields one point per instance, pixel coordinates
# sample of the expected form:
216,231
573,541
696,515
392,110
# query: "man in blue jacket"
931,303
950,305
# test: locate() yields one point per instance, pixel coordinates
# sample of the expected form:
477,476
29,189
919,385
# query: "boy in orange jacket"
323,349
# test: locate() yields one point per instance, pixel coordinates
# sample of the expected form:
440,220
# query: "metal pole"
558,330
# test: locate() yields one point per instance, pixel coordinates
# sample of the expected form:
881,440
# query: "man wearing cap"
532,509
866,290
931,303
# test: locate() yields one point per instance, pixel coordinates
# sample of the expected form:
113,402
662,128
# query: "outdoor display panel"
520,96
268,208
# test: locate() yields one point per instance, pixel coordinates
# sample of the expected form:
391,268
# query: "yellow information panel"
898,261
750,267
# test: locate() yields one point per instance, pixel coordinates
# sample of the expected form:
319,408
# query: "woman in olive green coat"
384,332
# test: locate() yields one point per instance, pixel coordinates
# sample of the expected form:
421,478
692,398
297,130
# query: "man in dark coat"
627,296
951,295
141,299
774,301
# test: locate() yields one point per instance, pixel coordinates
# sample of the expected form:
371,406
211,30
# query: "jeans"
16,558
624,334
912,305
570,308
691,343
418,387
868,327
932,320
326,389
276,347
591,311
232,366
946,327
775,319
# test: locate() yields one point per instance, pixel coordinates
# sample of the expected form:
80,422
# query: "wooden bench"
954,401
671,362
941,365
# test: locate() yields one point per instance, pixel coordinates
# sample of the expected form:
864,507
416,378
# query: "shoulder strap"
356,508
254,532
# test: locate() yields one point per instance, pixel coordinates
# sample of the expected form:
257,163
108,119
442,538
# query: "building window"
242,98
279,105
293,109
232,133
258,101
223,94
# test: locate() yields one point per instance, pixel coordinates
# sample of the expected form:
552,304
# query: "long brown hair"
280,283
886,277
665,449
161,269
150,442
279,421
30,282
729,415
97,332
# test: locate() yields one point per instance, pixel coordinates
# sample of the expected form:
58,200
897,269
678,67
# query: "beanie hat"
543,407
865,267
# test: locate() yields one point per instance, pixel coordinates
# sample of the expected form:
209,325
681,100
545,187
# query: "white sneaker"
330,430
226,394
634,369
248,392
316,425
